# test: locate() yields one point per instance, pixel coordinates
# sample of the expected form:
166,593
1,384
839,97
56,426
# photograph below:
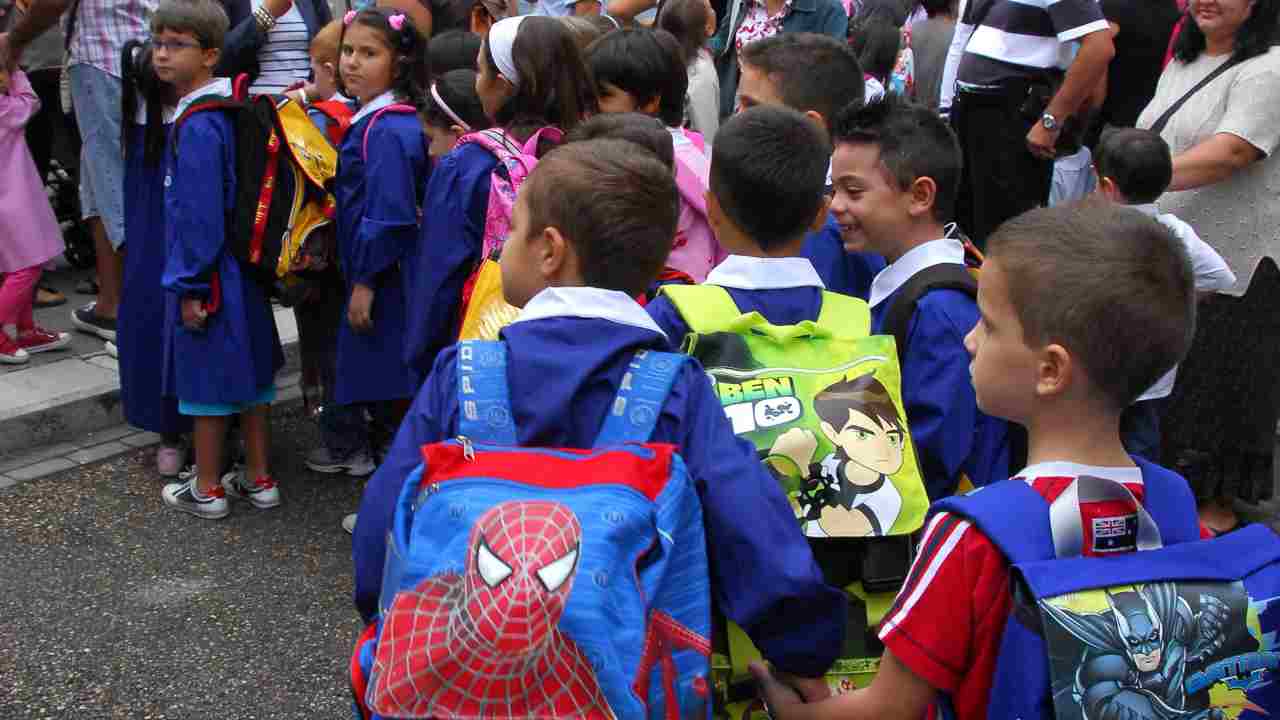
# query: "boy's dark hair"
810,71
205,20
865,394
913,141
1138,161
1111,285
616,206
413,69
555,87
453,50
458,89
876,41
768,173
141,84
646,64
686,20
643,130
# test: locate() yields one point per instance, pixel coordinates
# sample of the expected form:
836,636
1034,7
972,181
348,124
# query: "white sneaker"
184,497
262,492
349,524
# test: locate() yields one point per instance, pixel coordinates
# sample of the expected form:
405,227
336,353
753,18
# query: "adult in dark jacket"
260,48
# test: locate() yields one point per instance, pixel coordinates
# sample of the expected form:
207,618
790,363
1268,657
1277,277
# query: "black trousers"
1001,178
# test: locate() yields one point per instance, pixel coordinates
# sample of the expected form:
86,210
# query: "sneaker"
357,464
183,496
38,340
86,320
263,493
10,353
169,460
111,349
349,524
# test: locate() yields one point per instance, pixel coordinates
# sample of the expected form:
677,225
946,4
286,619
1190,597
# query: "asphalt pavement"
112,606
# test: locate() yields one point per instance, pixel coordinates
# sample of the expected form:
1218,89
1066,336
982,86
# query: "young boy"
896,171
768,168
1056,351
222,351
591,228
816,75
1134,168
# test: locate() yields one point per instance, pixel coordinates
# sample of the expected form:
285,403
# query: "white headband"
502,38
440,103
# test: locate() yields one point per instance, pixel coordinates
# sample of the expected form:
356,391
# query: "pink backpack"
515,162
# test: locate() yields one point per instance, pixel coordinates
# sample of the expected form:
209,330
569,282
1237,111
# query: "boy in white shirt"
1134,168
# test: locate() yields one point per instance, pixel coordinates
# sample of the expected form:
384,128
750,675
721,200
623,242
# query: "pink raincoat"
695,251
29,232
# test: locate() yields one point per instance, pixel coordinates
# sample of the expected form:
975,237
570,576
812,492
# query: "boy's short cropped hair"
1108,283
811,71
205,20
914,143
614,203
769,173
645,64
648,132
1138,161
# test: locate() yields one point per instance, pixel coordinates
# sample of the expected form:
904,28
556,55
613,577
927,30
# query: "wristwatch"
1049,122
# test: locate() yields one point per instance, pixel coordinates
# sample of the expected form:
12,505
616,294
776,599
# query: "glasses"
174,45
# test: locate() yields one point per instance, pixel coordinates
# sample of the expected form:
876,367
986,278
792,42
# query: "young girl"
693,22
148,121
30,231
452,110
531,77
382,165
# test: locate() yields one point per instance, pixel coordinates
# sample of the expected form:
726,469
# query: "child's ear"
820,219
211,56
924,191
1055,371
555,257
715,214
457,130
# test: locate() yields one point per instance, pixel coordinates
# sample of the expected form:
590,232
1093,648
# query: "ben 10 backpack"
1121,612
822,402
543,583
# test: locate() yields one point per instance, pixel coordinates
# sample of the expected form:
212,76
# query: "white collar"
757,273
1129,475
216,86
588,302
934,252
385,99
1148,209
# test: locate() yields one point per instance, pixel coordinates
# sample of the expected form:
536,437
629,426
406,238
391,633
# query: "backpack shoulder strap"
704,308
1170,502
484,397
947,276
394,108
843,311
1012,514
550,133
644,389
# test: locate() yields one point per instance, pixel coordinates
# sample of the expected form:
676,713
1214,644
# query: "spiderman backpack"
1182,628
543,583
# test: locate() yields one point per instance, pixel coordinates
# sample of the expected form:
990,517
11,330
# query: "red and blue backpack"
538,582
1121,612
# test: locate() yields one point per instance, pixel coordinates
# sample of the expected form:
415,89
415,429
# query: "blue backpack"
543,583
1182,628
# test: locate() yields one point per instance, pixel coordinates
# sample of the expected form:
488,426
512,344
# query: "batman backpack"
543,583
1156,625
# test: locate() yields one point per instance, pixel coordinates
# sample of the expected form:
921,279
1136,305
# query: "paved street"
113,607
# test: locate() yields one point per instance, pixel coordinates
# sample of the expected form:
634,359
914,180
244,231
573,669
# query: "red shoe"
10,353
37,340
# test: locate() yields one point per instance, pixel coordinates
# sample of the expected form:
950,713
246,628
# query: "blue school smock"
377,230
454,208
952,436
141,327
236,355
841,271
564,373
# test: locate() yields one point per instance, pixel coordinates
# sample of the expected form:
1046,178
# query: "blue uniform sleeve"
432,413
937,390
669,319
764,575
454,208
203,174
389,227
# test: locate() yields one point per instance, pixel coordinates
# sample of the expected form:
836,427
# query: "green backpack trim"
710,308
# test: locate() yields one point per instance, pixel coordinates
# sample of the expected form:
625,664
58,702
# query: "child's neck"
914,236
196,83
791,248
1086,436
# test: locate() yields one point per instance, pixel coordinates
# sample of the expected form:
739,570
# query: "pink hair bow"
396,22
349,18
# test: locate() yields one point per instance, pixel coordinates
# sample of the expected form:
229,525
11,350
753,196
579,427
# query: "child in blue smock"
896,171
768,169
382,169
574,265
148,118
512,83
221,357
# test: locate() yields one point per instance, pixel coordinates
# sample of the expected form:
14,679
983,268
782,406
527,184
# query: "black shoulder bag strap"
948,276
1159,124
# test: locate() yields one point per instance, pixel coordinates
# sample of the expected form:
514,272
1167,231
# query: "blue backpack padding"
1058,654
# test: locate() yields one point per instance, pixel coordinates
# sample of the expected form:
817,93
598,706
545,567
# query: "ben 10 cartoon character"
848,493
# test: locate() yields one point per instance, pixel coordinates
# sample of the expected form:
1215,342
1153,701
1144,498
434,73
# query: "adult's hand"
1041,141
277,8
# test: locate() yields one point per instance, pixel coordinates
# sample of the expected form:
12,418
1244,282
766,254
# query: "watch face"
1049,122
